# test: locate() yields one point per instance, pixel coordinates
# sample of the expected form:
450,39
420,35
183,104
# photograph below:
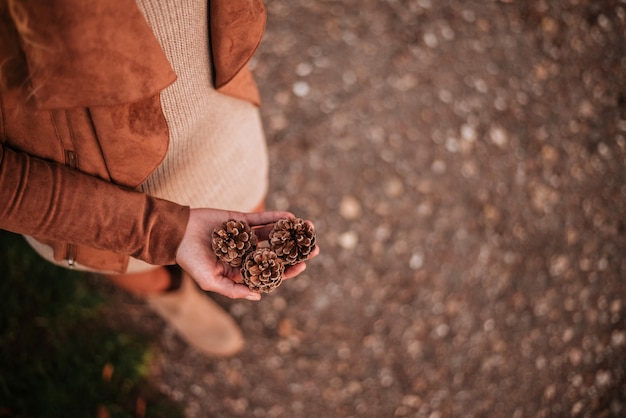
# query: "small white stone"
541,362
468,132
197,390
603,378
349,77
452,144
417,260
558,265
469,169
350,208
445,96
426,4
303,69
577,408
301,88
438,166
618,338
442,330
430,39
447,33
498,136
394,187
568,334
348,240
489,325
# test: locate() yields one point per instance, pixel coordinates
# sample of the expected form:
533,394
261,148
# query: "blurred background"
464,164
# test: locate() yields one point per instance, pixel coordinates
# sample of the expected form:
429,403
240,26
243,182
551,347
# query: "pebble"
350,208
348,240
498,136
301,88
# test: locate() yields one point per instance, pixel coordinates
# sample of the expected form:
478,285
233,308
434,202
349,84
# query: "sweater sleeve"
54,202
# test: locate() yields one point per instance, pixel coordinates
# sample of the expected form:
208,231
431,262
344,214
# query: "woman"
121,123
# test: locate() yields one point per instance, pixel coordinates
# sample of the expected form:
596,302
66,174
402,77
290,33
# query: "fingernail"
254,296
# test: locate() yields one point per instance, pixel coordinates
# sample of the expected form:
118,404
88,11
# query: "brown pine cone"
292,239
262,270
232,241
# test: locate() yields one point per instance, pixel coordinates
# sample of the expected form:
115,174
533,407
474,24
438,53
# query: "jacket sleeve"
55,202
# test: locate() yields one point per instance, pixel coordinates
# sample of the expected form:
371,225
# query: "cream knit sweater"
217,156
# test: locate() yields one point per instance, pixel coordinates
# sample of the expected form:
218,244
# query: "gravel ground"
464,165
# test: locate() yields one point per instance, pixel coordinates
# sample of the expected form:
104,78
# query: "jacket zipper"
70,249
70,159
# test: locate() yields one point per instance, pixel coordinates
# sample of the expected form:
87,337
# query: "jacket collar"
78,53
236,31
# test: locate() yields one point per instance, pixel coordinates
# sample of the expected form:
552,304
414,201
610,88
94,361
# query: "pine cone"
232,241
262,270
292,239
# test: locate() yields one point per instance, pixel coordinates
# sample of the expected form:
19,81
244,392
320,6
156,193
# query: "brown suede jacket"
81,124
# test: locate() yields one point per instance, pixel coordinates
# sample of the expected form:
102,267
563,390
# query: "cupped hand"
195,254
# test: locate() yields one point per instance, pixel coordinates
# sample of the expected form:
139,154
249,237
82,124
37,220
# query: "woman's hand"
195,254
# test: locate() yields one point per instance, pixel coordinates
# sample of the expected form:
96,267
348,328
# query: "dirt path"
464,163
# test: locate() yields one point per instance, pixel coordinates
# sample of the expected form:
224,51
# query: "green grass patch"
56,357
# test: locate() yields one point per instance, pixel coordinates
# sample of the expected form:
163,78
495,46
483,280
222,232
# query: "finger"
233,290
266,218
293,271
233,274
263,232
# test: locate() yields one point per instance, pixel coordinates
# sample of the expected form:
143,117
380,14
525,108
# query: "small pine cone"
262,270
232,241
292,239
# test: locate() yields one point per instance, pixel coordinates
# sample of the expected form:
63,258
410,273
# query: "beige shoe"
201,322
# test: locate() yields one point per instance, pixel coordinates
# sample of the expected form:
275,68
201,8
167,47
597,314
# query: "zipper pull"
71,160
70,255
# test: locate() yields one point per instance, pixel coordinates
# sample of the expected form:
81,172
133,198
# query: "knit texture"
217,155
